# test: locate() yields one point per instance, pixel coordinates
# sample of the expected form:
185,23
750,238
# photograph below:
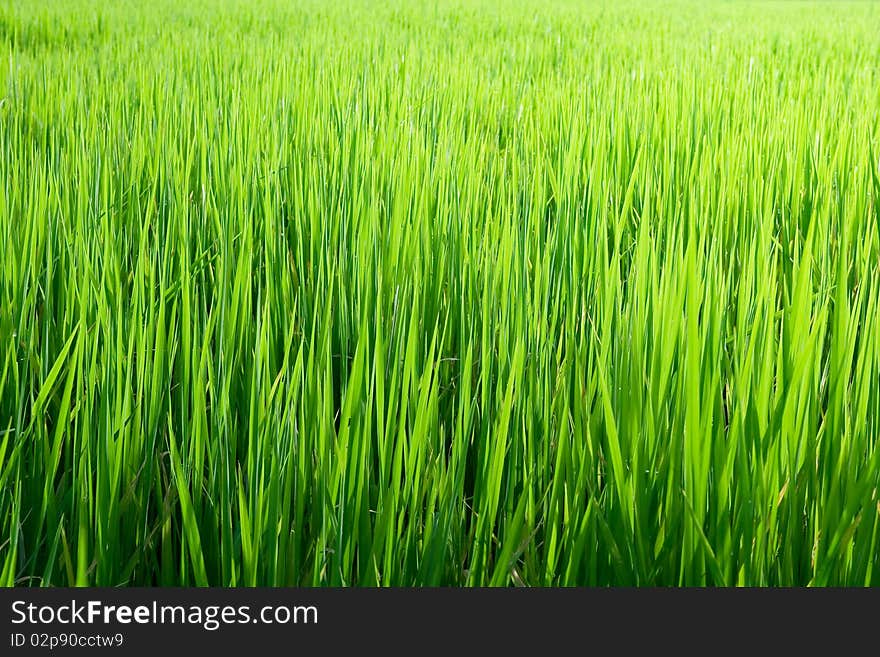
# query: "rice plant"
439,292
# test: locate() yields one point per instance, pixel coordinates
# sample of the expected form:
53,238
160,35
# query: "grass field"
435,292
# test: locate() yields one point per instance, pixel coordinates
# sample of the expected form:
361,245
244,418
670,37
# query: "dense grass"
438,292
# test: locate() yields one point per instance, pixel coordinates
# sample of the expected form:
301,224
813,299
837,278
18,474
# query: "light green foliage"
436,292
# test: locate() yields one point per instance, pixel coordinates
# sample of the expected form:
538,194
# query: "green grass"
435,292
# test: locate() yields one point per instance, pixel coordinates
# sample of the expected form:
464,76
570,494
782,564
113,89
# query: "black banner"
519,621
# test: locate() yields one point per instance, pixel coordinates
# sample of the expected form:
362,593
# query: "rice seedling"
435,292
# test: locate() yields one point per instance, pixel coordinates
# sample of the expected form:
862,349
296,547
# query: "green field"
438,292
